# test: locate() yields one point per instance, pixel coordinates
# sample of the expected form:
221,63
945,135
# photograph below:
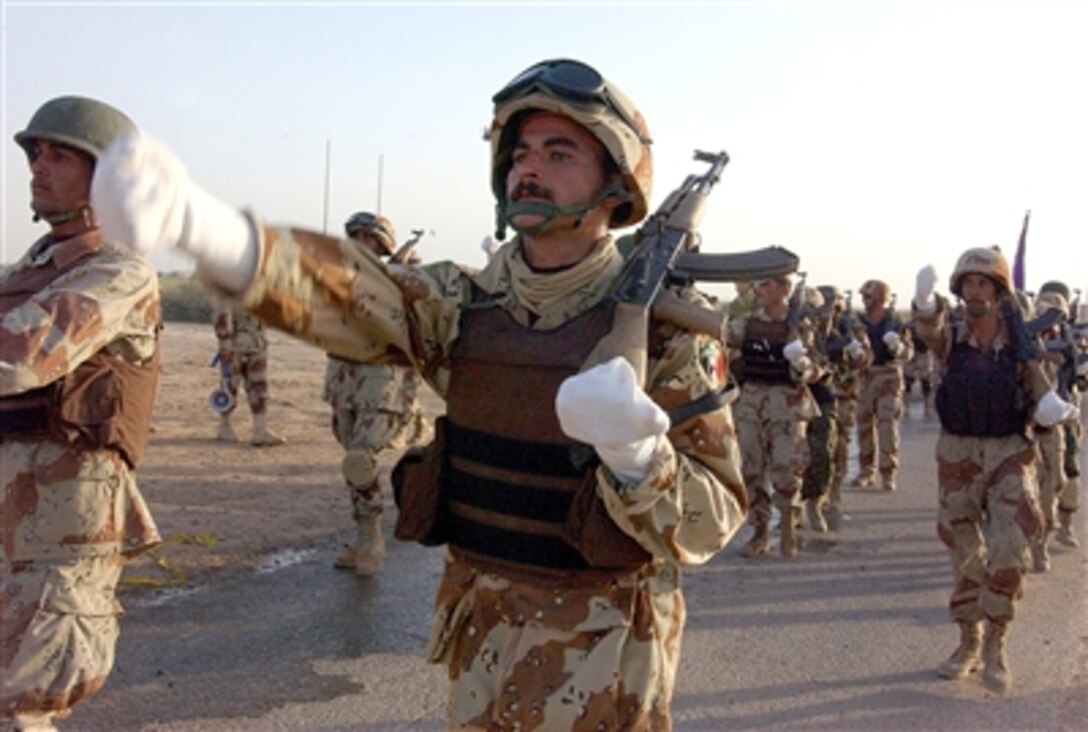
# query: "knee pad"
359,468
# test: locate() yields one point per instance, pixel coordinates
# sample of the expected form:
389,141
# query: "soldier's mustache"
530,189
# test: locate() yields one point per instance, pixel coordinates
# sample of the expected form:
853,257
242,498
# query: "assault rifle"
666,251
404,253
1024,345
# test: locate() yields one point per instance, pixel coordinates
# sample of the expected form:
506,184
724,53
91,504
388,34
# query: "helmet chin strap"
83,210
550,212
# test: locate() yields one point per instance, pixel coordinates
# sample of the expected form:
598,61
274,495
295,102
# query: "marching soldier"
374,408
243,354
79,355
986,401
569,500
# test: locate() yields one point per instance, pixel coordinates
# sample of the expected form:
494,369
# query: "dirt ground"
233,507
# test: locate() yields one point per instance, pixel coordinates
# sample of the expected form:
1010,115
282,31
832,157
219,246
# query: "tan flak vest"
520,496
105,403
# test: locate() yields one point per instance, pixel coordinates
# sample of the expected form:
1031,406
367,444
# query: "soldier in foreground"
374,408
560,604
987,399
243,353
81,320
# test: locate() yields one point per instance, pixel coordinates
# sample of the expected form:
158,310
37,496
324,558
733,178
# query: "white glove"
605,408
1052,409
143,199
794,351
891,340
924,282
853,348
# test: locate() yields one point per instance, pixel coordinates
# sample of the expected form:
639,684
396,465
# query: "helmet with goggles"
79,122
377,226
575,90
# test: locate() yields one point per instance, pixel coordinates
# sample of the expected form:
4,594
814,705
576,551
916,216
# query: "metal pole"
380,160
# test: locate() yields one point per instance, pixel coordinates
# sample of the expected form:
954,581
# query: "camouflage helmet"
812,299
1055,286
85,124
376,226
877,288
988,261
1050,300
576,90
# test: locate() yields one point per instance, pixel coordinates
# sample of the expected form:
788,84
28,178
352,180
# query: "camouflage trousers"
880,407
251,370
1051,471
58,632
846,410
774,449
364,435
822,433
596,653
988,515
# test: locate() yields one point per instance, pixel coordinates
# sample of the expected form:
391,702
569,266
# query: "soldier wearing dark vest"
78,371
880,403
772,412
568,501
987,401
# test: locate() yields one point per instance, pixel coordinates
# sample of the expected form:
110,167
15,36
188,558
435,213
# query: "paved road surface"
844,637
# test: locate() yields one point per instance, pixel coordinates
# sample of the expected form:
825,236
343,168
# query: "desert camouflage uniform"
880,402
771,421
374,408
242,336
988,510
69,515
920,368
540,652
846,386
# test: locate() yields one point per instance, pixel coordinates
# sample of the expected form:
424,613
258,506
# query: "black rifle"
665,251
404,254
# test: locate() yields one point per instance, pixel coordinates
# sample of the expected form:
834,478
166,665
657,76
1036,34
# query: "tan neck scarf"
551,296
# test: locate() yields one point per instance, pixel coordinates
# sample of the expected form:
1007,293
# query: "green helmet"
79,122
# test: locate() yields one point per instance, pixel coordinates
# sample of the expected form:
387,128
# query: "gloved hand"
794,351
605,408
1052,409
891,340
143,199
924,282
853,348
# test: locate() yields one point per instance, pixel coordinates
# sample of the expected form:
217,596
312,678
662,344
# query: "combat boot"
369,546
262,436
789,539
863,480
966,659
815,514
32,722
1040,556
833,515
888,481
760,542
1064,535
226,432
996,675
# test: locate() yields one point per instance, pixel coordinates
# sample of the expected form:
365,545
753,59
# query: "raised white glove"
924,282
605,408
794,351
1052,409
853,348
144,200
891,340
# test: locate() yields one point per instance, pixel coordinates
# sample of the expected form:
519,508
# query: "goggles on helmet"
572,82
364,220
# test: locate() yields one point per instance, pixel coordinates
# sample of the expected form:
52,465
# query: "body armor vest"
104,403
761,352
876,331
980,395
514,496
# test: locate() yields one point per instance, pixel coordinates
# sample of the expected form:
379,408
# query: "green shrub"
184,300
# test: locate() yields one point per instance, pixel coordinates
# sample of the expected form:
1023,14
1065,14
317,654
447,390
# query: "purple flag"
1018,263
